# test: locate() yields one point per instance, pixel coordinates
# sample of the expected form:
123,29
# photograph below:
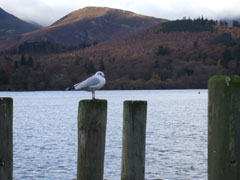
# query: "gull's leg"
93,94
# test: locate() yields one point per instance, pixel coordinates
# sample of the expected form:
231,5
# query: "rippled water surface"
45,134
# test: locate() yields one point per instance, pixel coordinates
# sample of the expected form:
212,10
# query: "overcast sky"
45,12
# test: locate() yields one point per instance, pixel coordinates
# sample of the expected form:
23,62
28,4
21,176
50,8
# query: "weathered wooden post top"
224,128
92,120
6,138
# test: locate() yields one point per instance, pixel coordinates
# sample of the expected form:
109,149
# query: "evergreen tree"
77,60
102,67
23,60
3,77
223,23
16,65
195,44
30,61
38,65
162,51
236,23
156,64
227,56
90,68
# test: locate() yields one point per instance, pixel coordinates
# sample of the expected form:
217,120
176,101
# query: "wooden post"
92,119
134,140
6,139
224,128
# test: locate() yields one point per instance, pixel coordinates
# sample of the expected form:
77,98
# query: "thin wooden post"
6,139
224,128
134,140
92,119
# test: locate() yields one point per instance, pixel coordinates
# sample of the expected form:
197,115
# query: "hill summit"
88,26
91,12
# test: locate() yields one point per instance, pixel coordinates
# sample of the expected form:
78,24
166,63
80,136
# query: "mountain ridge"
91,12
11,24
87,26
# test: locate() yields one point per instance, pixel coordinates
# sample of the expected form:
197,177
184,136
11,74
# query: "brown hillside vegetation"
191,59
146,42
177,54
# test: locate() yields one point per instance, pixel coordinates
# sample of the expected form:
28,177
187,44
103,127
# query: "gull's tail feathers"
70,88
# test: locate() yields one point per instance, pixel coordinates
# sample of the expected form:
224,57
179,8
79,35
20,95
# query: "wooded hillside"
176,54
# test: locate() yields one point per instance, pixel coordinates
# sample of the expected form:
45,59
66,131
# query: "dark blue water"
45,134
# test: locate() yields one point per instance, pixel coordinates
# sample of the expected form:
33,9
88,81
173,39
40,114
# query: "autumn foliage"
181,56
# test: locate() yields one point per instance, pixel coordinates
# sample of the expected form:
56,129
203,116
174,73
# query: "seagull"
92,83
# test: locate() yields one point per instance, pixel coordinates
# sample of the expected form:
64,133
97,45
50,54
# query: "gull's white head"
100,73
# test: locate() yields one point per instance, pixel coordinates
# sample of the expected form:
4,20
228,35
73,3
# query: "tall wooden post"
6,138
224,128
92,119
134,140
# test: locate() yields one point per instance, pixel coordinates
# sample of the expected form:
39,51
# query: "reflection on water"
45,133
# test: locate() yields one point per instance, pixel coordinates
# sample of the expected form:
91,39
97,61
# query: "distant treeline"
26,72
47,47
195,25
189,25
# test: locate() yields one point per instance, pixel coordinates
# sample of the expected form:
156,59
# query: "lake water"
45,133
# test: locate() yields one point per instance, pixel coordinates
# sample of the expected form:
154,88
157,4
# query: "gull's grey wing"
92,81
